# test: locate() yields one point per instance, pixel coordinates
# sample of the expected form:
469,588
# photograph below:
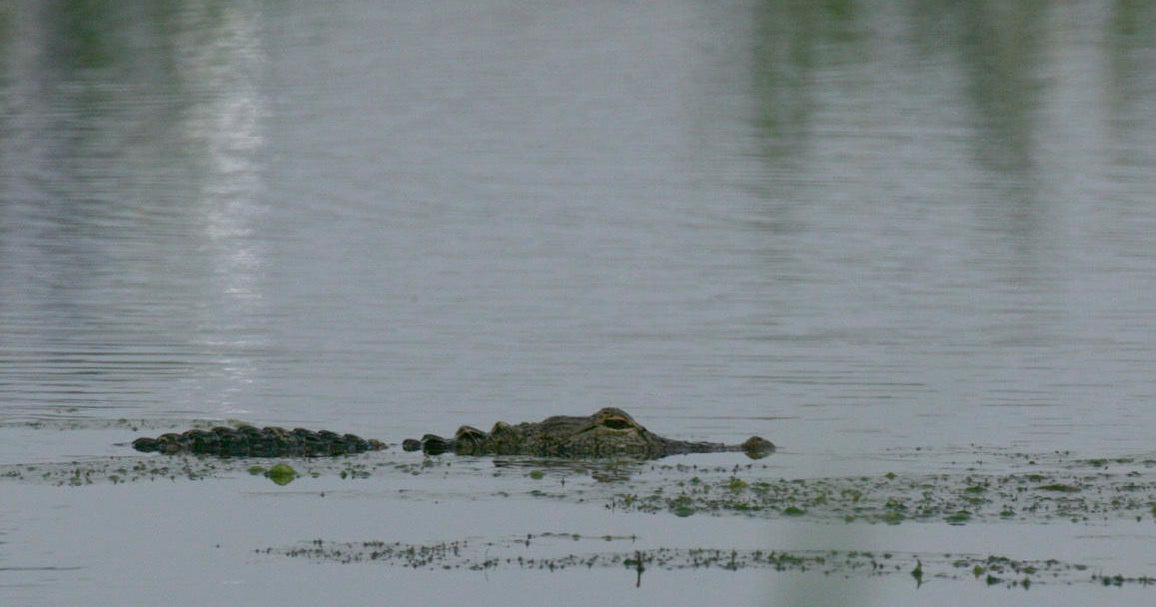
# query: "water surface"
852,228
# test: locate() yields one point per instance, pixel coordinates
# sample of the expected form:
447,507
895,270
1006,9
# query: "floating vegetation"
954,498
994,488
281,474
521,553
71,419
111,470
988,487
129,469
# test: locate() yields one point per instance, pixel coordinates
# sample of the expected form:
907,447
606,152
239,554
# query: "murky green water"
889,237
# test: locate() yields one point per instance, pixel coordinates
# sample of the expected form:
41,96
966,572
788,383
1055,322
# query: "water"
850,228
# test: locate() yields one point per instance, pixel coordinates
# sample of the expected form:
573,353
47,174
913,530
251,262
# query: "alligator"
608,432
250,441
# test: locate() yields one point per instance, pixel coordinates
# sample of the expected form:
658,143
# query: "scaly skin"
249,441
608,432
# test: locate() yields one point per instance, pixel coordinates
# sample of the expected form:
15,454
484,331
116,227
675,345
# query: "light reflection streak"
226,126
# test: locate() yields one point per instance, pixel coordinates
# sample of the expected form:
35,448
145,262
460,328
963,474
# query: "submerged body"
250,441
608,432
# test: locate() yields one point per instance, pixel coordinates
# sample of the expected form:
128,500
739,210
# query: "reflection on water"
130,192
226,126
925,175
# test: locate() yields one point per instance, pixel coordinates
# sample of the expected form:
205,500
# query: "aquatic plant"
482,555
282,474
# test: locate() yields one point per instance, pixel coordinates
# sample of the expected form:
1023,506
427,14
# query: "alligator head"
608,432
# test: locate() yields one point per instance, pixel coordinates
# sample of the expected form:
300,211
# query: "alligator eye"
616,423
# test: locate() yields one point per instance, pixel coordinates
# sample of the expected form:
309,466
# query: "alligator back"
251,441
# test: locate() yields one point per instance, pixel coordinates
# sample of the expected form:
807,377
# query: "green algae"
1059,495
281,474
148,468
1037,488
522,552
990,487
68,419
